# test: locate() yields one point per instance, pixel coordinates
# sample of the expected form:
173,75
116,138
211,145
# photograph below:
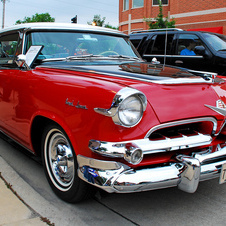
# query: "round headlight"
130,111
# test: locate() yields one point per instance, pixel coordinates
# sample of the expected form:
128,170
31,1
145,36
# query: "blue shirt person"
189,48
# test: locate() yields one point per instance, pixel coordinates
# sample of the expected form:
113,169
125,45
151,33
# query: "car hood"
141,71
174,93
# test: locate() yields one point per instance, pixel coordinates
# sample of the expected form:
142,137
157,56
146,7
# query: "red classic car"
83,99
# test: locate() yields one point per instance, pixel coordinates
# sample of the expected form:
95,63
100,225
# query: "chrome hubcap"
60,159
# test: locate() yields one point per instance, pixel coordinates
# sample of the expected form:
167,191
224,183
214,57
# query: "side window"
135,42
138,40
187,44
8,47
157,44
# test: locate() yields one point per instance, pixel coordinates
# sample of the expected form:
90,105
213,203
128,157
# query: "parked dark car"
208,52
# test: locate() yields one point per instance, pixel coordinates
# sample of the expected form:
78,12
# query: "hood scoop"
161,74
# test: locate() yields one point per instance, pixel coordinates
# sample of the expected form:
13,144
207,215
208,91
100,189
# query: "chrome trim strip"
172,56
183,122
185,172
118,149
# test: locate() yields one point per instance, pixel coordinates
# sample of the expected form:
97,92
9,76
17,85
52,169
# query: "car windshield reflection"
73,45
217,42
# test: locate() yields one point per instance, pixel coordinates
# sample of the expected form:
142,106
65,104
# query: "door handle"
179,62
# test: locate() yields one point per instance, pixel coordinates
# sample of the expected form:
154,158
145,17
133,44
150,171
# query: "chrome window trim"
174,56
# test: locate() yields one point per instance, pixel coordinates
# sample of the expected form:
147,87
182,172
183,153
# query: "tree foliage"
110,26
159,21
43,17
98,21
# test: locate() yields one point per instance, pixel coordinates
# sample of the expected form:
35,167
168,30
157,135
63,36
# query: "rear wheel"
60,165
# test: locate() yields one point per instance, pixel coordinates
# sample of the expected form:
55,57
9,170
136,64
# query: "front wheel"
60,165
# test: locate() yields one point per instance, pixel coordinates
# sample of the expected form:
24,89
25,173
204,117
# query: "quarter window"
8,47
157,44
138,3
125,4
156,2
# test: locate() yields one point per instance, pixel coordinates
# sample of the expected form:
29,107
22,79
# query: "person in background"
189,48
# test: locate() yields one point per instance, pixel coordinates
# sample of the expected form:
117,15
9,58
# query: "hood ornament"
220,107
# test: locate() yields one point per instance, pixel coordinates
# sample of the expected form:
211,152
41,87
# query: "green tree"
43,17
159,21
110,26
98,21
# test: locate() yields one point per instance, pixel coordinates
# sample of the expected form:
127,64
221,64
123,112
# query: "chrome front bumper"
185,172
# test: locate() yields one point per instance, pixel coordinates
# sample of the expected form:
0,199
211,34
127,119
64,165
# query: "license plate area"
223,174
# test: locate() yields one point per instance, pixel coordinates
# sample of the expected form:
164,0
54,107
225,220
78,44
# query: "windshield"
217,42
71,45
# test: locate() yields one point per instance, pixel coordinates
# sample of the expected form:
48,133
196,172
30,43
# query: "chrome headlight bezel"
117,106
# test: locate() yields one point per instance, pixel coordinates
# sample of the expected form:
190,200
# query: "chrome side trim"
185,172
183,122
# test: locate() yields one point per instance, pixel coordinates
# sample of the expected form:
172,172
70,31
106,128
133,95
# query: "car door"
11,84
156,48
185,54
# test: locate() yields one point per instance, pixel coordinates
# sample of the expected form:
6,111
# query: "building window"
156,2
125,4
138,3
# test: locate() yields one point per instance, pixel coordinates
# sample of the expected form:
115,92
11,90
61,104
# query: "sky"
61,10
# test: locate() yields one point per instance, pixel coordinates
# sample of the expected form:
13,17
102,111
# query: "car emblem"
220,107
71,103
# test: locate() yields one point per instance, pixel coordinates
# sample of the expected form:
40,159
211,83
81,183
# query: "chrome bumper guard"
185,172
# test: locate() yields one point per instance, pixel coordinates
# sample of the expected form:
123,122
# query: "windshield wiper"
222,50
92,56
124,57
83,57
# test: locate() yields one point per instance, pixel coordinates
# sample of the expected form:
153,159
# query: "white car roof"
60,26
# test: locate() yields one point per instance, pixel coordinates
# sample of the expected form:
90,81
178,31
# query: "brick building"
189,15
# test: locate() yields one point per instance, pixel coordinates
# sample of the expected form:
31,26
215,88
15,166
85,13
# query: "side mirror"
201,50
21,61
28,59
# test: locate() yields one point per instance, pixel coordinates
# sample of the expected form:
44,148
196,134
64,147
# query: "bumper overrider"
184,171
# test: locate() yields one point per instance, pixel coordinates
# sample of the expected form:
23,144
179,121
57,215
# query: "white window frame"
137,6
125,5
158,4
